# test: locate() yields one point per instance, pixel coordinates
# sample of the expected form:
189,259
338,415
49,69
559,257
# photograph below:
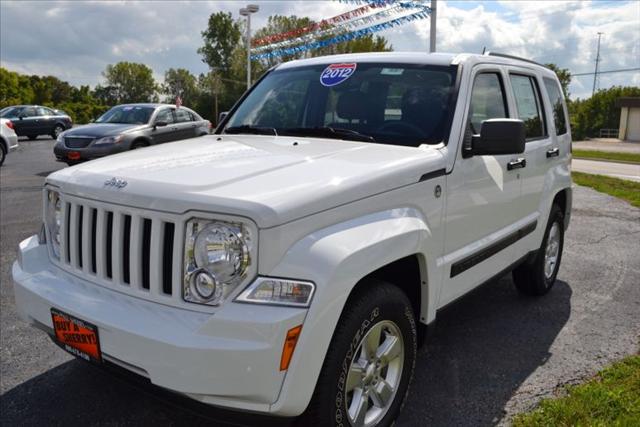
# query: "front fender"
336,258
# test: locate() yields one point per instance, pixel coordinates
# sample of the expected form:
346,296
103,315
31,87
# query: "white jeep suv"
290,263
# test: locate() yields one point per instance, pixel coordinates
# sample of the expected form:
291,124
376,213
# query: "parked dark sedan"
128,127
34,120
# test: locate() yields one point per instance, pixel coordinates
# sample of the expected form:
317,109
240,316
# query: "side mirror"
222,116
159,124
499,136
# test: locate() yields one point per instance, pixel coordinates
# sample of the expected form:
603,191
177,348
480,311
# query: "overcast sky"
76,40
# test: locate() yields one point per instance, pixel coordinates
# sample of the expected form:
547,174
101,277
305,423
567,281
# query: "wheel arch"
142,139
564,200
388,245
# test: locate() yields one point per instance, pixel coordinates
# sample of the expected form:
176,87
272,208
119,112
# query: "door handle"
554,152
517,164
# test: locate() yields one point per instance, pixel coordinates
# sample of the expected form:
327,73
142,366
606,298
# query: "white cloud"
76,40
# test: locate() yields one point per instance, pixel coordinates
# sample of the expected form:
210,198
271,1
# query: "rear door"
185,124
527,97
46,120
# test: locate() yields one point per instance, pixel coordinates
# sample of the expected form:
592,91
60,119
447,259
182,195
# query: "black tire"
529,277
57,130
374,304
3,153
138,144
32,137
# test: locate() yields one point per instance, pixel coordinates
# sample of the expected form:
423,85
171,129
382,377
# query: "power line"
622,70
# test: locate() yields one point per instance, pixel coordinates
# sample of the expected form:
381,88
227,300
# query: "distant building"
629,118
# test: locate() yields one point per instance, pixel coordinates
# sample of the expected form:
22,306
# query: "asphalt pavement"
494,353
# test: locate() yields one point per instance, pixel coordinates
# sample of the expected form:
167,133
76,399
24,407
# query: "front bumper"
229,358
88,153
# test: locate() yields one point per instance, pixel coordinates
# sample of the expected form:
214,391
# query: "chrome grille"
130,250
77,142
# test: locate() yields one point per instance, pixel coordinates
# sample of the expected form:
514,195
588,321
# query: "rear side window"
165,115
487,100
528,105
182,115
555,96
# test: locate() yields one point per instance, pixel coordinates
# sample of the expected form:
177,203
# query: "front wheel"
369,365
538,276
3,154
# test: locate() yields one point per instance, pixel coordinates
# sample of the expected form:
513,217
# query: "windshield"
401,104
128,114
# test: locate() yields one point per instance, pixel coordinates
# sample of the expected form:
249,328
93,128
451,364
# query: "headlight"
274,291
54,220
108,140
217,256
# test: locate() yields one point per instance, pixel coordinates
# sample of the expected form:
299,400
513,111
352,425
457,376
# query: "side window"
44,111
28,112
165,115
555,96
528,105
182,116
487,100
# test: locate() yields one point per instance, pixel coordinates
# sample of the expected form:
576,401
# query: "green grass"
612,398
606,155
621,188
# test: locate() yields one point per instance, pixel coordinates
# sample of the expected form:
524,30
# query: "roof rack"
504,55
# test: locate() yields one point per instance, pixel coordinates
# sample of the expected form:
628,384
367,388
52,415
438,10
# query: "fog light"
204,284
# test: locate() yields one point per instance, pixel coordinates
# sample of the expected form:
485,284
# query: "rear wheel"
538,276
369,365
3,153
57,131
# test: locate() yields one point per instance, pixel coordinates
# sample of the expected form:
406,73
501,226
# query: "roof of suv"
413,58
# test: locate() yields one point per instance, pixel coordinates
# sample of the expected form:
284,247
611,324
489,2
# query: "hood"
270,179
98,130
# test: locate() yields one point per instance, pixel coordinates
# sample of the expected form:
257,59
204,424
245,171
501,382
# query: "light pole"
247,11
432,28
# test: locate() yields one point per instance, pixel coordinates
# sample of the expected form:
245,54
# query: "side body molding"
336,258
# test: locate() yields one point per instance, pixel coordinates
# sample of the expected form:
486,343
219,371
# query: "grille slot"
146,253
126,250
77,142
132,251
167,254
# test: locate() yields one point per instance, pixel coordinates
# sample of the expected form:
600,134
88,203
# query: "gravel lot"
494,353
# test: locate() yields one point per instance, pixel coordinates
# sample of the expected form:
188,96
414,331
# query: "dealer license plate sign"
78,337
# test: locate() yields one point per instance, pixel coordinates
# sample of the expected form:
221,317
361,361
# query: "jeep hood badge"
115,183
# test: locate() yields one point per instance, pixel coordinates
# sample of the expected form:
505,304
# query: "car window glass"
487,100
28,112
44,111
555,96
10,112
528,105
165,115
182,116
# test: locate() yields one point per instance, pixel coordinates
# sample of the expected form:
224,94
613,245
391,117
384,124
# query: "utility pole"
432,30
595,74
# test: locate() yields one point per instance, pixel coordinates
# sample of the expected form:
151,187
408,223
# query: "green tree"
590,115
131,82
221,38
179,81
564,76
277,24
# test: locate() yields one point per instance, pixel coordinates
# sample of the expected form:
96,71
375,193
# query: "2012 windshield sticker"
335,74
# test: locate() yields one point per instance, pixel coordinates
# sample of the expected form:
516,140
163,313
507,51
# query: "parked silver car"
8,138
128,127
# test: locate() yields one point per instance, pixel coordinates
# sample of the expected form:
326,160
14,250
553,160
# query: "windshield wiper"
330,132
257,130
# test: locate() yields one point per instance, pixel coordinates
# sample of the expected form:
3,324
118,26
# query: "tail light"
10,124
